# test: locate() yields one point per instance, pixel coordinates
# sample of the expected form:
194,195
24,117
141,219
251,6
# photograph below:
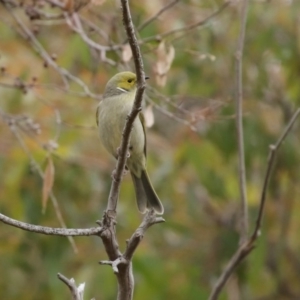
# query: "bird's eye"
129,80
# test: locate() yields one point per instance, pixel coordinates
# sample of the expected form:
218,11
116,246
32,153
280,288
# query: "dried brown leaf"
47,183
149,116
69,5
165,56
126,53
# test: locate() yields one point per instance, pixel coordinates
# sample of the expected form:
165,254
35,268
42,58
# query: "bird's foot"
119,152
125,171
114,173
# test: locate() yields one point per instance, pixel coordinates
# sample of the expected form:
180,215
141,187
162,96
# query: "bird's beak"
147,77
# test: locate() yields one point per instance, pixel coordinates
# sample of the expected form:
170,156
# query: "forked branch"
76,292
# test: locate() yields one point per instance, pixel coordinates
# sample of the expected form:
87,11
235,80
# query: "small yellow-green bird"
111,115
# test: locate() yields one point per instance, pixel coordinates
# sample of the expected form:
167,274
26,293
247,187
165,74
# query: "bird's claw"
119,152
114,173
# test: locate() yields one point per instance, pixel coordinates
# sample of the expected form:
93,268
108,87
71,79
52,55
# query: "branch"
77,292
149,220
38,170
50,230
245,248
239,123
187,28
74,22
160,12
136,108
236,259
132,244
29,36
114,264
272,154
122,263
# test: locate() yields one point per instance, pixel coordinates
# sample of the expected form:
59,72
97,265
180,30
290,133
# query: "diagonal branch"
156,16
29,36
38,170
149,220
272,154
73,20
239,123
246,247
188,28
76,292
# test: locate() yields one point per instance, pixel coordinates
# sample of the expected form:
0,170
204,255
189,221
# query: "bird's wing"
142,119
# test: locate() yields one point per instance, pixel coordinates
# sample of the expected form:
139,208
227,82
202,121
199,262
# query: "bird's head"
123,82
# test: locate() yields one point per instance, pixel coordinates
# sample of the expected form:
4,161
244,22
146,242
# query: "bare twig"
149,220
39,171
160,12
97,29
272,153
65,75
246,247
235,260
187,28
171,115
114,264
76,292
121,263
74,22
50,230
49,86
239,124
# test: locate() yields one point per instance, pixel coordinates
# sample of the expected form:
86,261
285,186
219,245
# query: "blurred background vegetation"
192,153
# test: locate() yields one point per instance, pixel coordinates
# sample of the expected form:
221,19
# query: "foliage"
193,171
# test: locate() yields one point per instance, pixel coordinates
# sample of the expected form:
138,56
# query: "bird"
111,116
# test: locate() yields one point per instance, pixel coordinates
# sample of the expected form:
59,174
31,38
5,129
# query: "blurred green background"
192,153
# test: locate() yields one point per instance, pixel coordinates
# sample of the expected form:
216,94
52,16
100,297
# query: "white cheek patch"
122,90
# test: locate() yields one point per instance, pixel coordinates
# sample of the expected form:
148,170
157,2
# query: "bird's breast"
112,116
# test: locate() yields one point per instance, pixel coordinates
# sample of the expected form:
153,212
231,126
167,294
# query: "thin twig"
235,260
74,22
160,12
76,292
38,169
114,264
171,115
272,153
239,123
65,75
187,28
245,248
50,230
149,220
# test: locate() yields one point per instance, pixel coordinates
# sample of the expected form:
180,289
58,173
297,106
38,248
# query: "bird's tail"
145,194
